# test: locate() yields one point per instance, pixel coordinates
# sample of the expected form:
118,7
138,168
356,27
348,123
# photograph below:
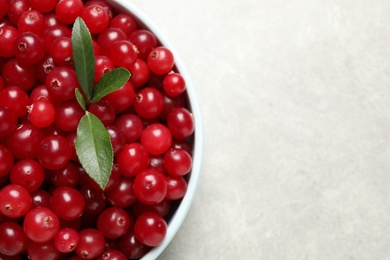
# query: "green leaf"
83,56
94,149
81,99
110,82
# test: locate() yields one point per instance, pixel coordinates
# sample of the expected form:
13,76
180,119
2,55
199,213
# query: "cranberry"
181,123
8,35
25,141
68,10
122,195
145,42
68,115
131,246
113,222
124,22
28,174
122,98
6,160
112,254
41,224
91,243
40,198
42,251
177,162
67,203
132,159
95,200
108,37
160,60
176,187
13,240
15,99
15,201
41,113
18,74
156,139
61,83
150,186
32,21
123,53
66,240
54,152
140,73
174,84
8,121
149,102
96,18
150,228
43,6
131,127
16,8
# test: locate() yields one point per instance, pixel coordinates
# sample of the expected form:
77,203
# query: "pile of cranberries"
49,207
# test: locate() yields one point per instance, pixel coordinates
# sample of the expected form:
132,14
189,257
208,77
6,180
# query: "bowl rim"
180,214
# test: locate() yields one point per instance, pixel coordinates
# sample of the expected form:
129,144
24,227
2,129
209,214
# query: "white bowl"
176,220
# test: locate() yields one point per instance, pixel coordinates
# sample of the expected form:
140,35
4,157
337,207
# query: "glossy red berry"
41,224
18,74
32,21
160,60
112,254
125,23
66,240
150,228
131,127
42,113
122,98
108,37
61,51
140,73
66,176
150,186
42,251
174,84
123,53
8,35
28,174
16,8
176,187
149,102
181,123
25,141
68,115
54,152
8,121
68,10
67,203
131,246
177,162
13,240
113,222
95,200
40,198
16,99
156,139
6,160
122,195
43,6
145,42
96,18
15,201
132,159
91,244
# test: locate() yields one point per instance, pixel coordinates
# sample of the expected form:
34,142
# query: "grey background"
295,102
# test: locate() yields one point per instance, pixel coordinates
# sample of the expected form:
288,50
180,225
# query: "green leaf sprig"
93,144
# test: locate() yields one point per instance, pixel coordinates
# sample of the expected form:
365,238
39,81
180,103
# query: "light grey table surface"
295,98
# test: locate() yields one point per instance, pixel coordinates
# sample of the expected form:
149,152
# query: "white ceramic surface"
178,217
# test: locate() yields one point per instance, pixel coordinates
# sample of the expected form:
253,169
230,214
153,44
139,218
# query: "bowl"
177,217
